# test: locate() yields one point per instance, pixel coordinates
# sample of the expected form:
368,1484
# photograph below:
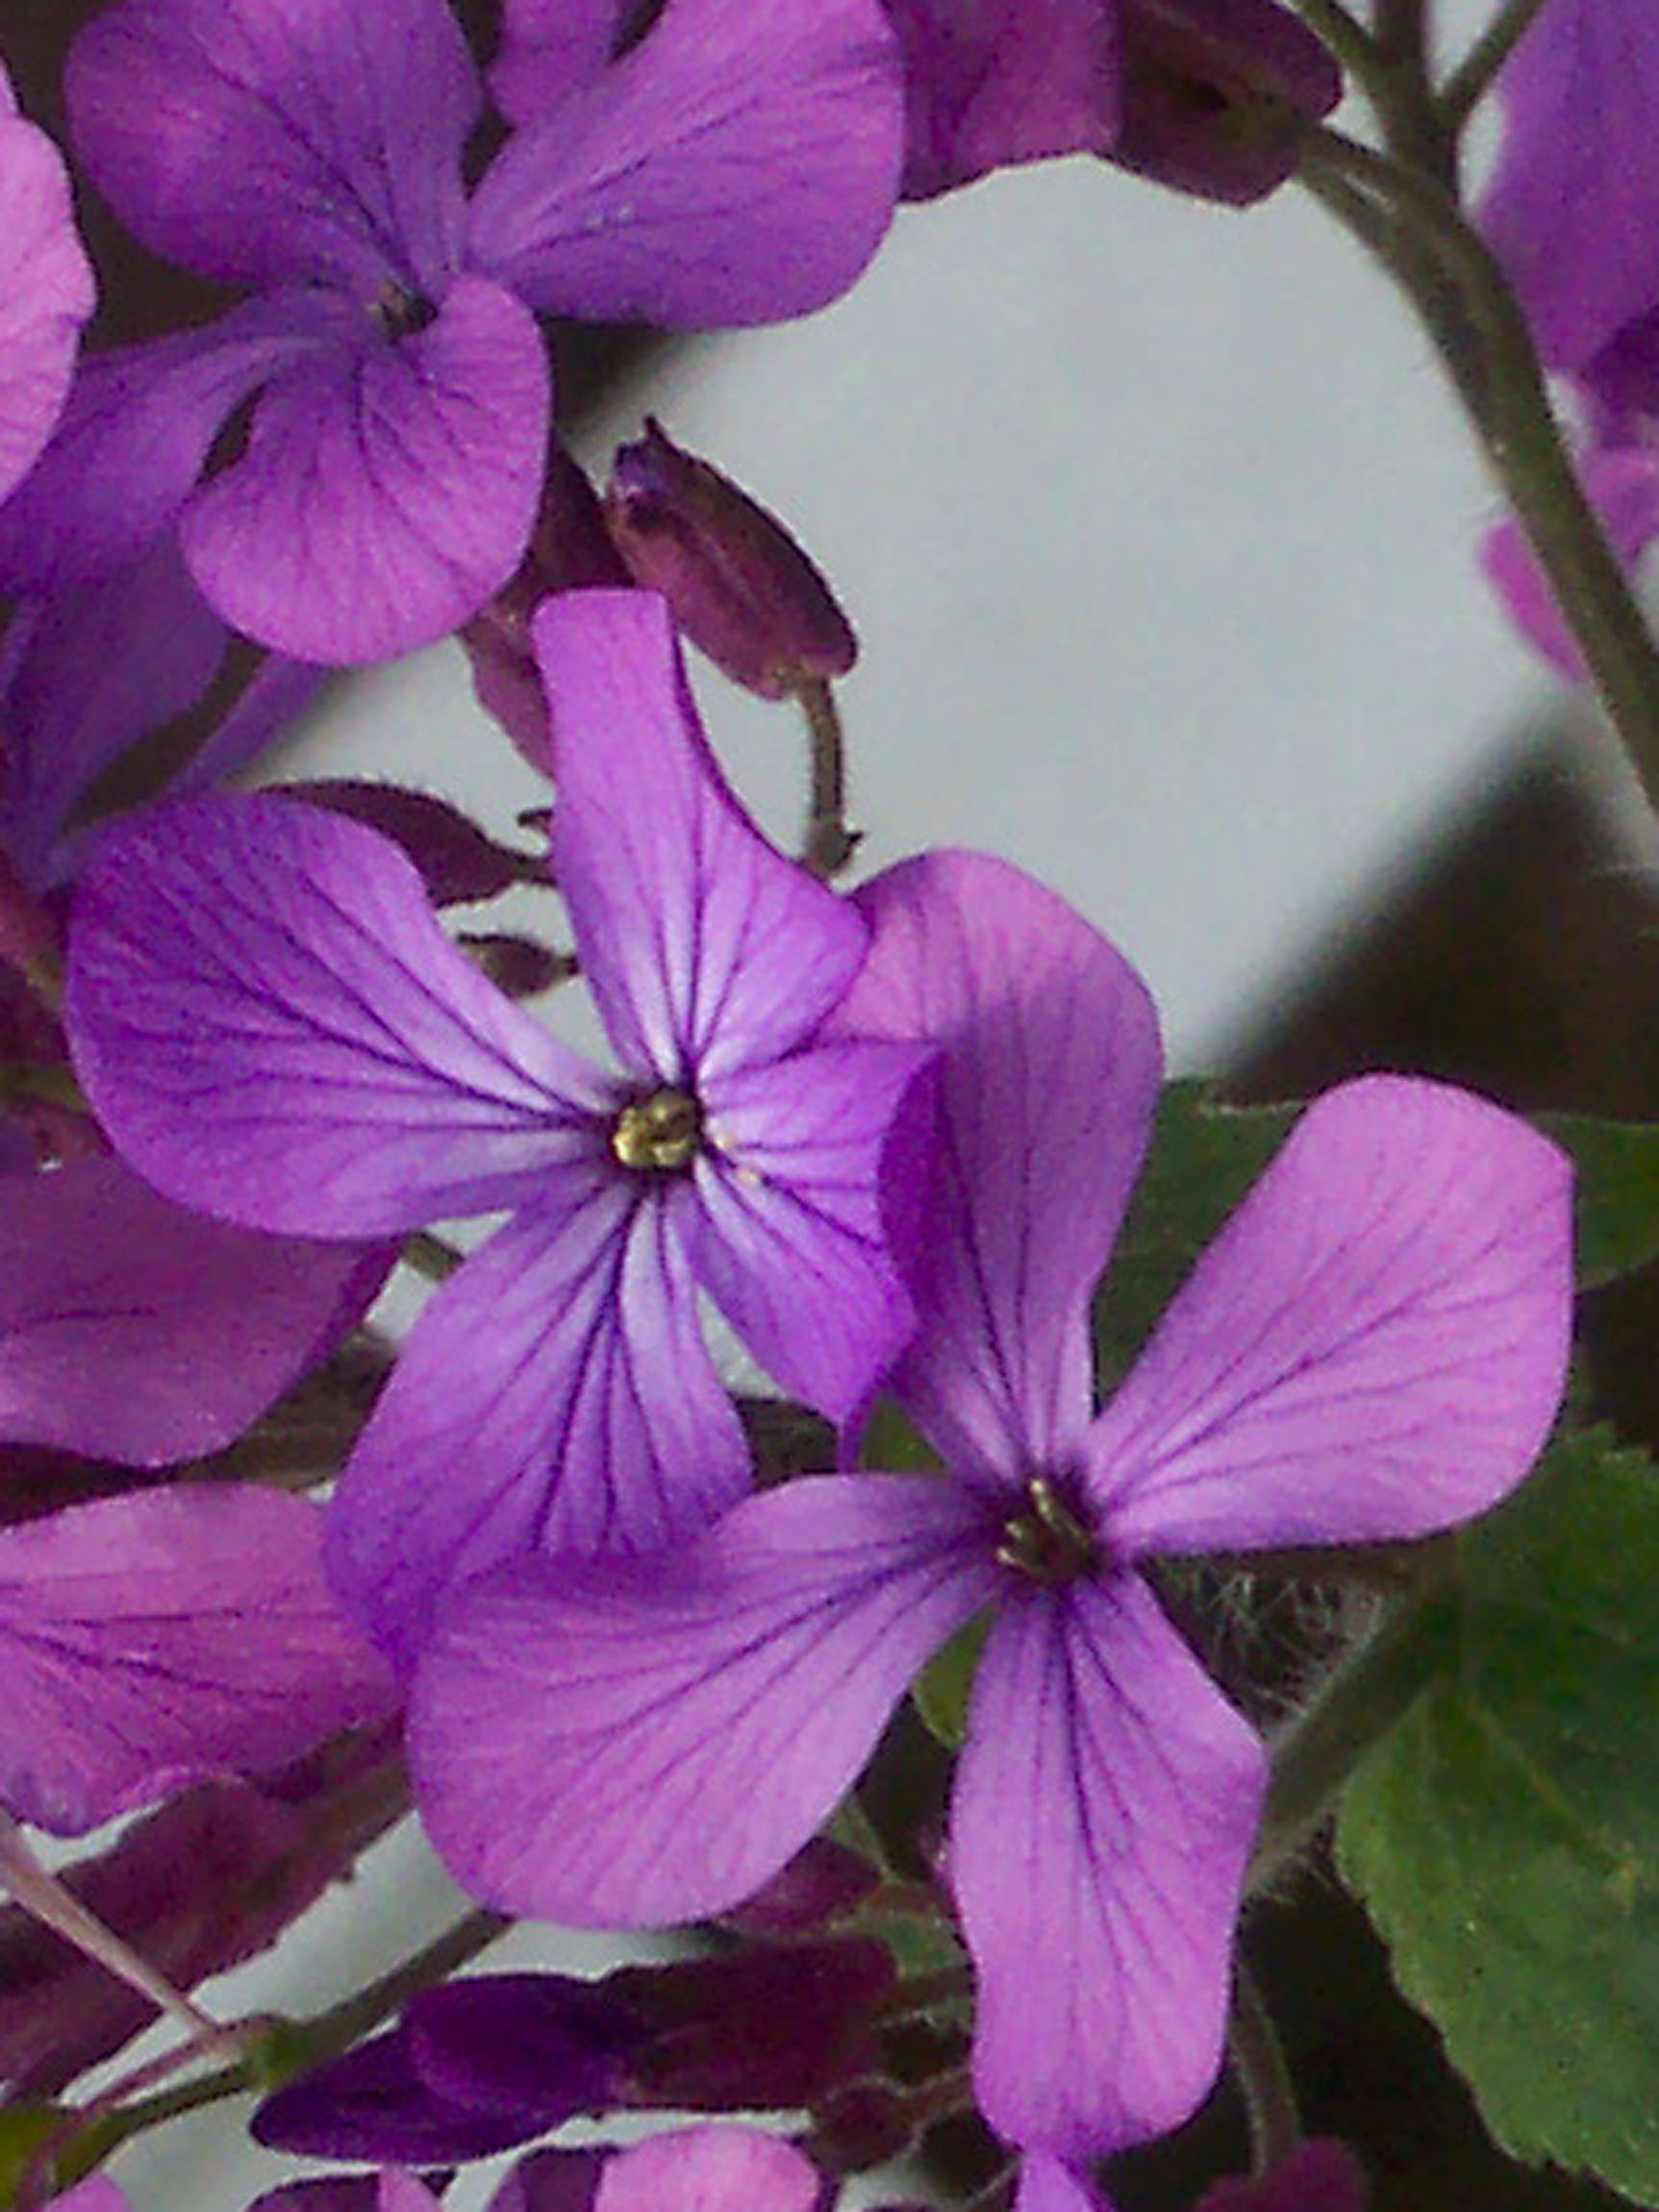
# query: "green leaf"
1202,1160
1618,1193
1505,1838
944,1685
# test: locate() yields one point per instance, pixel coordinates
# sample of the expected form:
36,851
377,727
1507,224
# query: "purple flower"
735,166
164,1637
275,1030
1373,1347
46,290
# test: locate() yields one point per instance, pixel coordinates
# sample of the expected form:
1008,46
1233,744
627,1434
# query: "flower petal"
1048,2185
1574,206
705,948
167,1635
46,290
276,141
274,1029
86,674
626,1743
714,2168
739,165
554,1397
786,1229
1622,486
135,435
386,490
1050,1077
1001,82
552,47
134,1331
1104,1811
1374,1347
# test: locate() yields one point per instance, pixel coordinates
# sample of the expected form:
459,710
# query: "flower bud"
737,584
1217,94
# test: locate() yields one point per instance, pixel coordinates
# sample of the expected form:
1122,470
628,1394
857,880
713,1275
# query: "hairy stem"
1263,2074
1468,83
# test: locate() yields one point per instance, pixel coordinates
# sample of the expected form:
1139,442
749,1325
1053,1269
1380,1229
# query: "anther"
658,1135
1048,1544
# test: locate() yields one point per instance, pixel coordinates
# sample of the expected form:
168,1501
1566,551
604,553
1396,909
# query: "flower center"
401,313
658,1135
1048,1542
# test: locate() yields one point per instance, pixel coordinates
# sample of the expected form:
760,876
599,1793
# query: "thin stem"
1366,1696
1468,83
1343,33
1263,2076
430,1256
829,842
1497,373
60,1909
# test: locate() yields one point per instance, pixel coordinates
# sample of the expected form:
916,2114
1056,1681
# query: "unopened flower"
275,1029
736,166
1373,1347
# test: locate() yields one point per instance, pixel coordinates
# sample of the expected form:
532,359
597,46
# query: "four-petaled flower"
273,1028
1373,1347
736,165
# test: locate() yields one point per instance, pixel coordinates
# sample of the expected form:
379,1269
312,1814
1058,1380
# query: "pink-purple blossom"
274,1029
1375,1347
734,166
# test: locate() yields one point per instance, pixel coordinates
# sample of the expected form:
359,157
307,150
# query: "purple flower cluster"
889,1139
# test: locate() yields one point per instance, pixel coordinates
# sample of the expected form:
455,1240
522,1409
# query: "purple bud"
1217,94
758,2029
569,550
740,586
372,2104
519,967
1323,2176
458,861
820,1883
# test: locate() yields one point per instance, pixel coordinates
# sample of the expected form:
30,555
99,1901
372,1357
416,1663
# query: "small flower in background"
1573,213
274,1029
1375,1347
735,166
47,289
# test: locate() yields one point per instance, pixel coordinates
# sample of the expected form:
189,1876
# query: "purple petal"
273,1028
1046,2185
269,145
273,698
705,949
619,1745
995,82
1050,1077
386,491
155,1639
1104,1811
136,434
84,676
1573,207
786,1228
1623,484
135,1331
1374,1347
552,47
554,1397
709,2169
739,165
46,290
96,2194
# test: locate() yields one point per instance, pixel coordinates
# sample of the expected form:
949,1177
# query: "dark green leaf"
943,1688
1202,1160
1618,1193
1506,1836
